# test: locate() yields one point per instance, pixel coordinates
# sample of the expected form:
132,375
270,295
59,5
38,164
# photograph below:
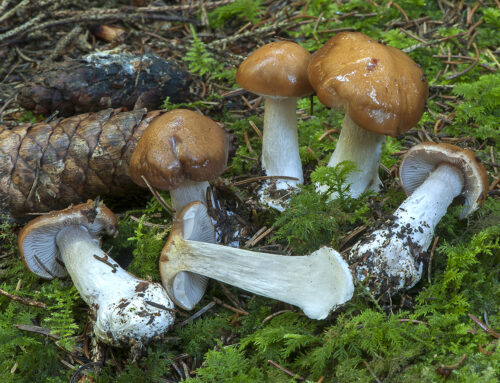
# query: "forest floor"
444,328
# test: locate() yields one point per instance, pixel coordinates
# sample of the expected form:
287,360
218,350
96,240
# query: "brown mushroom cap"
383,89
276,69
179,145
422,159
37,240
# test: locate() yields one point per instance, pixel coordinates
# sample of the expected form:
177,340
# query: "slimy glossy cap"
179,145
276,69
382,88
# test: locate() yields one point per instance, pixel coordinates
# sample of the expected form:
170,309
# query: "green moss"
237,11
312,220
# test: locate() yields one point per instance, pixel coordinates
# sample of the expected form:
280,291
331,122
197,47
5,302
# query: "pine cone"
101,81
46,167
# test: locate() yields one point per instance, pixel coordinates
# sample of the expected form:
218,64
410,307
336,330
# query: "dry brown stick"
430,258
3,5
22,28
23,300
288,372
400,10
92,17
261,236
471,13
229,307
229,295
250,33
62,44
469,68
262,178
371,371
12,11
484,326
406,320
36,329
160,9
197,314
269,317
149,224
445,370
256,129
413,36
158,196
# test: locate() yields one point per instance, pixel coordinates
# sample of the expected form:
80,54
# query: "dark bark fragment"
47,167
101,81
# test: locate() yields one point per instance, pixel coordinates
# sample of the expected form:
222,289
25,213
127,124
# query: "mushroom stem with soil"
433,175
126,309
316,283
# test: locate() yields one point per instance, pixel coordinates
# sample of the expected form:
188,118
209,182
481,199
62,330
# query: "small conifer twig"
484,326
429,268
229,307
23,300
262,178
158,196
268,318
445,371
37,329
197,314
288,372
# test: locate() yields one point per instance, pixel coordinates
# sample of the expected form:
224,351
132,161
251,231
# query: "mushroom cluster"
383,93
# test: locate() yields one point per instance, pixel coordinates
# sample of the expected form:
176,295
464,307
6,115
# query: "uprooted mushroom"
383,92
391,257
317,283
126,309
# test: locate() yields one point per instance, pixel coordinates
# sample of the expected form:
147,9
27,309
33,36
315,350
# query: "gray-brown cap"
179,145
276,69
37,240
382,88
422,159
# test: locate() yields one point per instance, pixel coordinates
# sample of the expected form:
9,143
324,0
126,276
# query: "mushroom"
316,283
432,175
278,72
126,309
383,92
180,151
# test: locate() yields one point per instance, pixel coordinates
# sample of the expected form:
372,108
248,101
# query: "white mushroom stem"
364,149
126,308
280,146
317,283
189,191
392,255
